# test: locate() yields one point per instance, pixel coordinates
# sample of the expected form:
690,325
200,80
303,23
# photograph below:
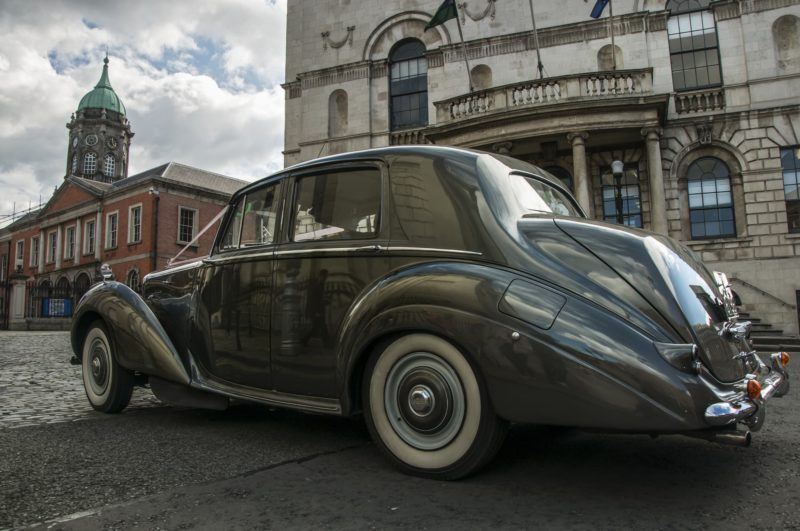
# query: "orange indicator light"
785,358
753,389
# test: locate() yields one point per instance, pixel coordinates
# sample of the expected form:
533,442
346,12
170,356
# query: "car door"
335,248
237,289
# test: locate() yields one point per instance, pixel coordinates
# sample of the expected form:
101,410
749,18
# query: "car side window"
337,205
253,221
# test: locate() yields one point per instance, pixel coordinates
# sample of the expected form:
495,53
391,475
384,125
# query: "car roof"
380,153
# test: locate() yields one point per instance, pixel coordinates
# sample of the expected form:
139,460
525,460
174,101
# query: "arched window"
82,283
711,212
408,85
693,46
133,279
74,164
481,77
109,164
786,34
337,113
605,61
89,164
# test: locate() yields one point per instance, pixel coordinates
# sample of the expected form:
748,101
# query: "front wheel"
108,386
426,408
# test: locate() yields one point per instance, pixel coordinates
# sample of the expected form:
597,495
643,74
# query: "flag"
445,12
598,8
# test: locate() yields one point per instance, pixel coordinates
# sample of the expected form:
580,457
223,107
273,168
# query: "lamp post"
617,169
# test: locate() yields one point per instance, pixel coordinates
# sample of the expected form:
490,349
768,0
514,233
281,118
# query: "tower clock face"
91,140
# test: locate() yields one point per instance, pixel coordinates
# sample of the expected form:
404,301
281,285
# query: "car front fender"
140,342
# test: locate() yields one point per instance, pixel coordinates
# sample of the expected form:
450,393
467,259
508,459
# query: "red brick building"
99,215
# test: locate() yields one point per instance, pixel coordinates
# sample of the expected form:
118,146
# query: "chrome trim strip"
263,396
362,248
435,250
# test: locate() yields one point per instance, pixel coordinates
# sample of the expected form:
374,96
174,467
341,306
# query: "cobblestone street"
38,385
250,467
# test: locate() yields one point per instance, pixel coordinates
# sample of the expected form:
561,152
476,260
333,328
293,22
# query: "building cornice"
488,47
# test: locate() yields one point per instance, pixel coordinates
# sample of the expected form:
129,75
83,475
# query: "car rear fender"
454,300
141,343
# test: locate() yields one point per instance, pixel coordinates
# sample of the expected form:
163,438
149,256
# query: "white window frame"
89,168
89,242
3,267
50,253
195,221
33,259
131,226
112,237
69,247
106,158
19,254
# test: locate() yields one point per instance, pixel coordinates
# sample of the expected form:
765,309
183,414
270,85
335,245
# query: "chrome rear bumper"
774,381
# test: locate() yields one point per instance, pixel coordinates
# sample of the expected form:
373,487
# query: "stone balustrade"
543,92
700,101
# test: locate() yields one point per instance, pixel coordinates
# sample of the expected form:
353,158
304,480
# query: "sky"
200,80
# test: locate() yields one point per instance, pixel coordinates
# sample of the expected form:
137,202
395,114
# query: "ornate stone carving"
488,11
704,133
327,41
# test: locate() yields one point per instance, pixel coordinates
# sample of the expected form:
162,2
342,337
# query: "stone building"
699,100
100,215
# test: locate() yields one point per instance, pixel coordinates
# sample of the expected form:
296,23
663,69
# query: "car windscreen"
538,196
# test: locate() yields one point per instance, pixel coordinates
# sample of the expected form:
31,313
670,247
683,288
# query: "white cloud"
200,81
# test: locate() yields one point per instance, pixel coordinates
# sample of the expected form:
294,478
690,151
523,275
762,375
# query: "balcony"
543,93
700,101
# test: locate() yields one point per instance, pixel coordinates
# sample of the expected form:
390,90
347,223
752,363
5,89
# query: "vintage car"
442,293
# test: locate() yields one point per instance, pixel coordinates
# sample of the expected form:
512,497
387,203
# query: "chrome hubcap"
98,366
421,400
424,401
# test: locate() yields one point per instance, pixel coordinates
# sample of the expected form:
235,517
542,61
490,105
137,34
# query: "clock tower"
99,135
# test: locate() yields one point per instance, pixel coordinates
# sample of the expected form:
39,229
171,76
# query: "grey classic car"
442,294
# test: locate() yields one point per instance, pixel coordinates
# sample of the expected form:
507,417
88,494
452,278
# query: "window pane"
342,205
258,227
233,230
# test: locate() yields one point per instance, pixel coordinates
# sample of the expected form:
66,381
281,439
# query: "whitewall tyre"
428,410
108,386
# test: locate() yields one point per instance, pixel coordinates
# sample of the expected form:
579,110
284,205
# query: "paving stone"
38,385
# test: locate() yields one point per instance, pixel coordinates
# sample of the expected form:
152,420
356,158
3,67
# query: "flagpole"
464,51
613,46
539,64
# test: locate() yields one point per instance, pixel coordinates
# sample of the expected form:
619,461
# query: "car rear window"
538,196
338,205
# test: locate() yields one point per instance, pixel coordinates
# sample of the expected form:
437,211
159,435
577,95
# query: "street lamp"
617,169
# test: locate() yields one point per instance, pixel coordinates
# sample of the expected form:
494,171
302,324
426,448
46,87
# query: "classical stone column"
583,189
658,201
16,306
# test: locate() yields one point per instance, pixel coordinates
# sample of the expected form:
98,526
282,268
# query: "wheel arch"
130,322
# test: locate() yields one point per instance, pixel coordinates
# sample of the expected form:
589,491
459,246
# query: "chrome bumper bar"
774,382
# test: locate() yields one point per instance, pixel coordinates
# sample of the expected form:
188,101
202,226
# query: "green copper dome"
102,96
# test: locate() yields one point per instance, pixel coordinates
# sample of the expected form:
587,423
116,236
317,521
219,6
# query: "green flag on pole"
445,12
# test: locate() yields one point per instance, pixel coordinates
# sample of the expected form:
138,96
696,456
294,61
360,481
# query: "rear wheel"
426,408
108,386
